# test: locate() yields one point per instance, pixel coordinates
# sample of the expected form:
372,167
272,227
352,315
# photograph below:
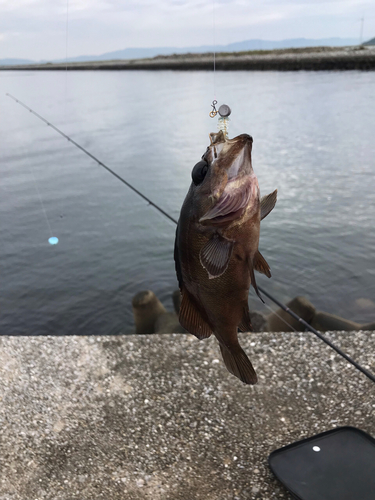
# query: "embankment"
159,417
308,59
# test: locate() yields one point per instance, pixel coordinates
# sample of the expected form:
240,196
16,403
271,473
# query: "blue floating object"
53,240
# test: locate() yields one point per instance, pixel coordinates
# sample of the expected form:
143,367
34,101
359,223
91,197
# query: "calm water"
313,140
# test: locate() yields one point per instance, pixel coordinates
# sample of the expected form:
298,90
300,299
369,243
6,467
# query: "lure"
223,122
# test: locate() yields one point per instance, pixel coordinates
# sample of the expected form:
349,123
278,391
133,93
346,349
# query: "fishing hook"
213,113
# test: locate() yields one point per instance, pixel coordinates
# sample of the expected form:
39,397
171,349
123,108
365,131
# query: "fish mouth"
232,203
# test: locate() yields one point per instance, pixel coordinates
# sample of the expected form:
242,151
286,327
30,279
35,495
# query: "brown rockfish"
216,248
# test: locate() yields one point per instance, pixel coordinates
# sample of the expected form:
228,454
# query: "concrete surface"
159,417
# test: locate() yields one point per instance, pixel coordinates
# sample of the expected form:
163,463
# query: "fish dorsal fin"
245,325
267,203
260,264
254,283
191,319
215,255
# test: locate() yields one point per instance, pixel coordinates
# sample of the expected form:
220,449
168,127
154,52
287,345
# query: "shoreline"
308,59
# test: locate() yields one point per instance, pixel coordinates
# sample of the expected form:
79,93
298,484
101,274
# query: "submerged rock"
369,327
363,303
258,322
146,310
176,297
150,316
324,321
168,323
281,321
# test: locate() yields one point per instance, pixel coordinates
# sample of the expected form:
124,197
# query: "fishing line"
66,56
52,240
319,335
66,36
273,311
285,308
214,111
150,202
280,317
214,40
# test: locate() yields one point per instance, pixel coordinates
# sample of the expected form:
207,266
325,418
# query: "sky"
37,29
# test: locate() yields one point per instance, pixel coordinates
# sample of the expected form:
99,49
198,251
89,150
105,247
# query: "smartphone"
335,465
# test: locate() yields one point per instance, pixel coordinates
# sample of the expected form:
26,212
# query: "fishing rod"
319,335
150,202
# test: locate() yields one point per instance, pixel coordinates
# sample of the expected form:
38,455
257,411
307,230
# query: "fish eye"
199,172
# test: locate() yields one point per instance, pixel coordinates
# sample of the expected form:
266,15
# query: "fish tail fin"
239,364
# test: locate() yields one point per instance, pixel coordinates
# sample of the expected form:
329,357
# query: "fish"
216,248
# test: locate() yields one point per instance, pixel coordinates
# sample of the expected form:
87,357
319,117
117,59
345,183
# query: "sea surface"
314,140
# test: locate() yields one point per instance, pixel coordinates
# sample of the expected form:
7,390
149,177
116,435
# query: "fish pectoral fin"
267,204
215,255
238,364
245,325
191,319
260,264
254,283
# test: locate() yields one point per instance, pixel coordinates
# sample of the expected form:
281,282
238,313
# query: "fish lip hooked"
231,202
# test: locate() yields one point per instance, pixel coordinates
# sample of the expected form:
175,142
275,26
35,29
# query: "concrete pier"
159,417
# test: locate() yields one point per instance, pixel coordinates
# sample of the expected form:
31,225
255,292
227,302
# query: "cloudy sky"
36,29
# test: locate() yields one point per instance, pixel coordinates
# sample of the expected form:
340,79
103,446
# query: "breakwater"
150,316
308,59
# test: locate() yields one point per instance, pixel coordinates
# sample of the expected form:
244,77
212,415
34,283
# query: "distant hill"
12,62
370,42
257,44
